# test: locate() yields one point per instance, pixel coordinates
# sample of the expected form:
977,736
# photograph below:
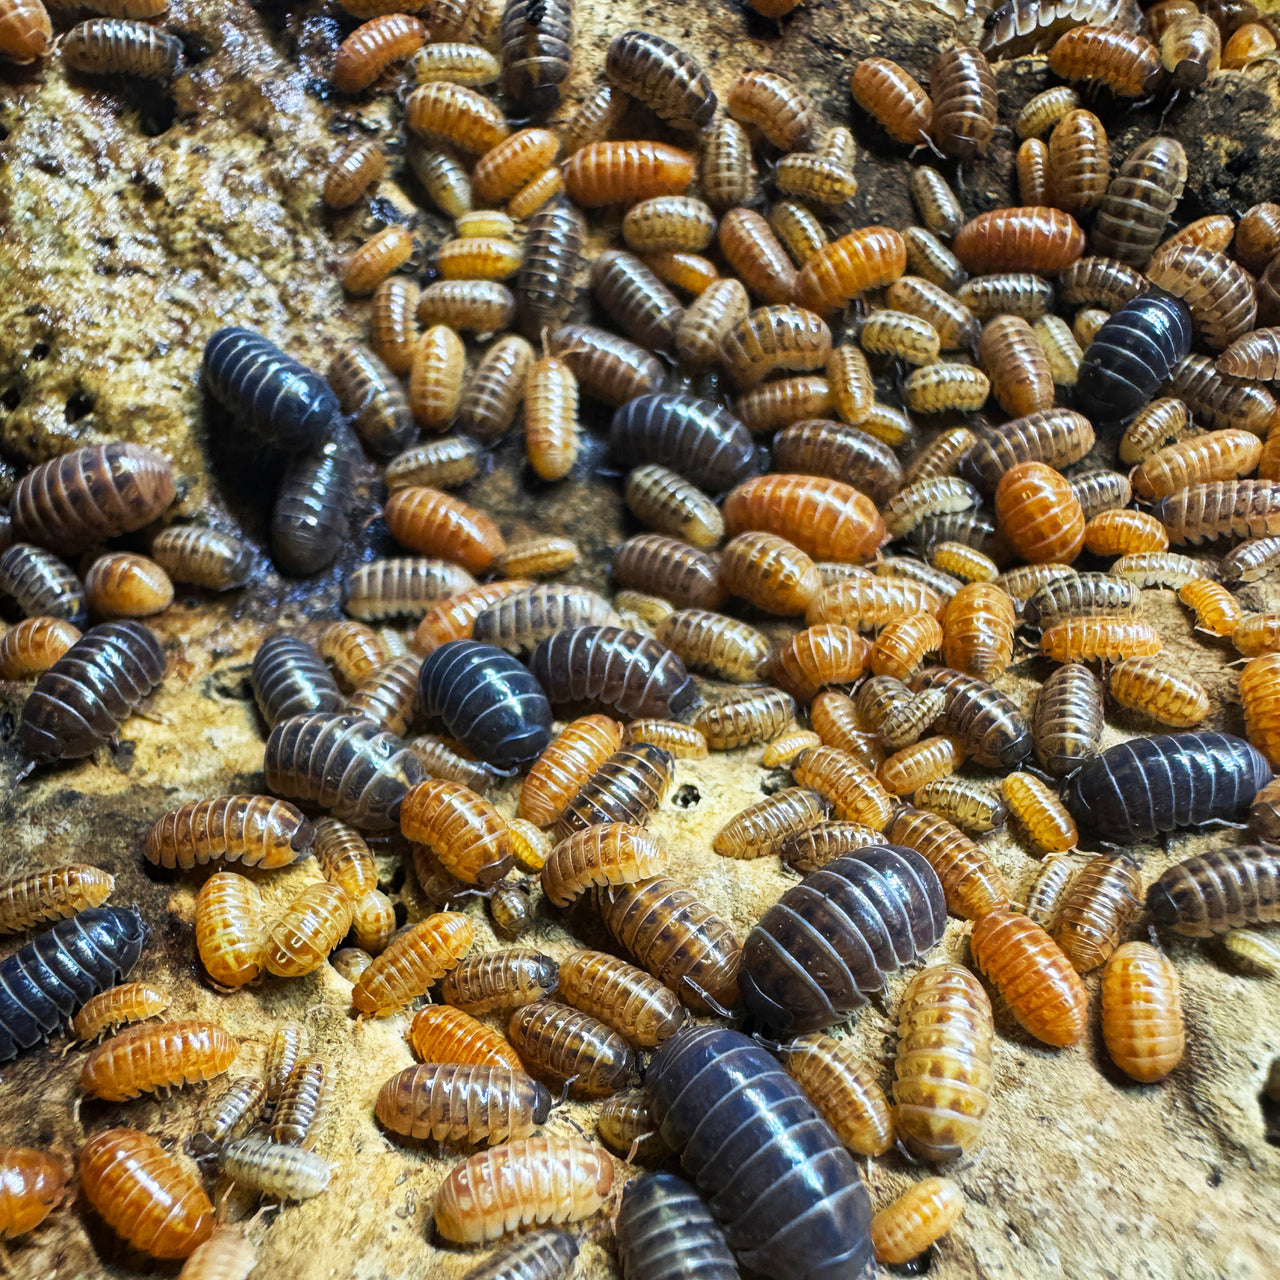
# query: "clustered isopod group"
927,549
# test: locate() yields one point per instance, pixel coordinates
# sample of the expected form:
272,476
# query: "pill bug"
462,829
670,568
272,398
1083,595
972,883
677,938
855,793
1217,400
34,645
844,1089
826,519
1132,216
229,1115
923,1213
372,47
229,929
272,1169
1038,813
637,300
547,1179
972,806
1128,64
707,1085
413,962
536,52
309,520
897,102
929,259
1096,910
113,1008
1067,724
144,1059
693,437
38,896
542,1255
964,562
40,584
519,620
626,787
299,940
1217,891
1137,789
965,101
499,980
81,701
1019,27
439,1033
625,1124
256,830
996,734
1142,1012
1033,238
811,958
461,1103
545,288
302,1107
1160,569
1100,491
401,585
144,1194
1217,611
762,828
1221,508
620,996
289,678
204,557
116,46
1024,580
716,645
343,764
868,258
34,1185
666,79
665,1231
454,115
571,1050
1056,437
602,173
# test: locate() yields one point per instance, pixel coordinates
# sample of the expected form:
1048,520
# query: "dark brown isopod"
40,584
372,396
670,568
290,678
636,299
626,788
965,101
669,81
607,367
571,1050
546,283
114,46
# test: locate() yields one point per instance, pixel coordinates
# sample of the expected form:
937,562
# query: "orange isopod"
393,329
1170,697
372,47
259,831
1039,514
844,1088
129,1002
1015,362
144,1194
1043,991
683,741
623,172
1106,638
454,617
33,645
887,92
762,828
146,1059
435,378
769,572
353,171
610,853
417,958
828,653
775,105
827,519
902,645
1031,238
907,770
51,895
566,763
32,1184
856,794
552,433
868,602
522,1183
1142,1012
971,881
455,115
1217,610
868,258
299,941
513,163
1093,915
921,1215
121,584
229,929
1035,807
376,259
441,1033
977,627
1126,63
753,251
437,523
461,828
1124,532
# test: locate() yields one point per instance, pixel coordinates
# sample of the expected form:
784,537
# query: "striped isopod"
608,367
1060,348
144,1194
972,806
273,1169
204,557
775,105
939,208
352,172
762,828
571,1050
145,1059
811,957
462,829
926,760
943,1075
270,396
456,616
682,741
456,1102
533,1180
954,322
114,46
439,464
1020,27
299,940
844,1089
287,1045
826,448
1104,639
255,830
972,883
664,1228
1009,293
476,306
301,1109
1045,109
815,178
855,792
636,299
995,734
230,1114
519,620
1056,437
54,894
412,963
1220,509
453,115
852,386
693,437
1217,891
368,392
542,557
343,764
545,288
773,338
929,259
1033,238
82,700
661,75
625,1123
229,929
565,764
439,1033
1084,595
1045,894
1135,790
603,173
375,260
1042,989
1100,491
1257,633
1096,910
677,938
924,499
946,388
716,645
964,562
499,980
669,568
1218,400
1142,1012
965,101
353,649
537,38
1024,580
1067,725
401,585
1140,200
40,584
1219,291
435,523
665,501
289,678
637,1006
739,1120
1126,63
727,169
626,788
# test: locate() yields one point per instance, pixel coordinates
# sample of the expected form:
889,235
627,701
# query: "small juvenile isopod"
844,1089
229,929
272,1169
129,1002
33,1184
1142,1012
440,1033
1039,814
916,1219
40,585
299,941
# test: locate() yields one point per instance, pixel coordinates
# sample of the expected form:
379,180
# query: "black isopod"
697,438
544,1255
290,678
46,983
1132,355
787,1194
80,702
309,520
273,397
838,934
666,1232
344,764
1140,788
617,668
487,700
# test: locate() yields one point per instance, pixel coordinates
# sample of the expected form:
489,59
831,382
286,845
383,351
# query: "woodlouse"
458,1103
32,1184
299,940
570,1049
669,81
1217,891
146,1059
1096,910
810,959
40,584
289,678
272,1169
401,585
519,620
229,929
565,764
844,1089
129,1002
694,437
499,980
412,963
826,519
51,895
995,733
626,788
1032,238
887,92
255,830
462,829
603,173
309,520
453,115
924,1212
1142,1012
1132,216
116,46
302,1107
439,1033
372,47
971,882
230,1114
537,37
